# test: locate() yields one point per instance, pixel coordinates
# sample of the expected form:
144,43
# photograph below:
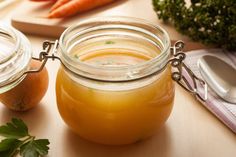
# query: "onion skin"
29,92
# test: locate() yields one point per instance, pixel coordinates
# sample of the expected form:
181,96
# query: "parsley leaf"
8,147
15,129
6,144
17,140
35,148
76,56
109,42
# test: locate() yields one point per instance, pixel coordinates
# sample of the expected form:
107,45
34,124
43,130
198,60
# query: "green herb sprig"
17,140
208,21
109,42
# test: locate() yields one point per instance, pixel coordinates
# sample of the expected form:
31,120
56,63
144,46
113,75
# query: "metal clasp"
44,55
184,76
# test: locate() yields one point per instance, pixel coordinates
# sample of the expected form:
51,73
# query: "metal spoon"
220,76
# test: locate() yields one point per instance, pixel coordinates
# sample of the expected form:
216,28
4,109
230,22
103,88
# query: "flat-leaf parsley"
17,140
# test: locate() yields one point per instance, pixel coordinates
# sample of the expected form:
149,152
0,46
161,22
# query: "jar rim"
69,61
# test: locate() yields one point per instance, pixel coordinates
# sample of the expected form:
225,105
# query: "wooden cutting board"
30,18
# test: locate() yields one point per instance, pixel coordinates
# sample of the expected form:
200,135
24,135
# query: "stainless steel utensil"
220,76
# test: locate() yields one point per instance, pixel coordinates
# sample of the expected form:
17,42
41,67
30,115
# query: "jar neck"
114,33
14,58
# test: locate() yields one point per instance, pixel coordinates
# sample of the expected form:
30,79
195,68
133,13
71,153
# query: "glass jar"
115,84
122,93
19,90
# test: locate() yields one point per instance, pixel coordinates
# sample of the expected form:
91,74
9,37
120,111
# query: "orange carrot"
58,4
77,6
43,0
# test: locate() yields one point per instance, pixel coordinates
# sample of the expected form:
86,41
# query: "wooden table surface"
191,130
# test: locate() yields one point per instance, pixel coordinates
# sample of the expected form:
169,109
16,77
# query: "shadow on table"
158,145
35,117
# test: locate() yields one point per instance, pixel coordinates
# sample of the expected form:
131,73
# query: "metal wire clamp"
184,76
44,55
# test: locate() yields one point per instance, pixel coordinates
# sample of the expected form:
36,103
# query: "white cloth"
225,111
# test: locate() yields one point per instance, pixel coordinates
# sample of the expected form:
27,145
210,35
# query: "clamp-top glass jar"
115,84
118,98
19,90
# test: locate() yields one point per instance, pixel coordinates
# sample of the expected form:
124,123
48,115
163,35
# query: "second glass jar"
114,87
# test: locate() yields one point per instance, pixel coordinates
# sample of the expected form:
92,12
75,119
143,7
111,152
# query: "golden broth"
119,113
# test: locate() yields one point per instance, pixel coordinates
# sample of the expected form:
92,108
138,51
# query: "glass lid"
15,55
6,47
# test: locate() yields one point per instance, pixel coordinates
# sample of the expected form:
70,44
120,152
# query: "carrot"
77,6
42,0
58,4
